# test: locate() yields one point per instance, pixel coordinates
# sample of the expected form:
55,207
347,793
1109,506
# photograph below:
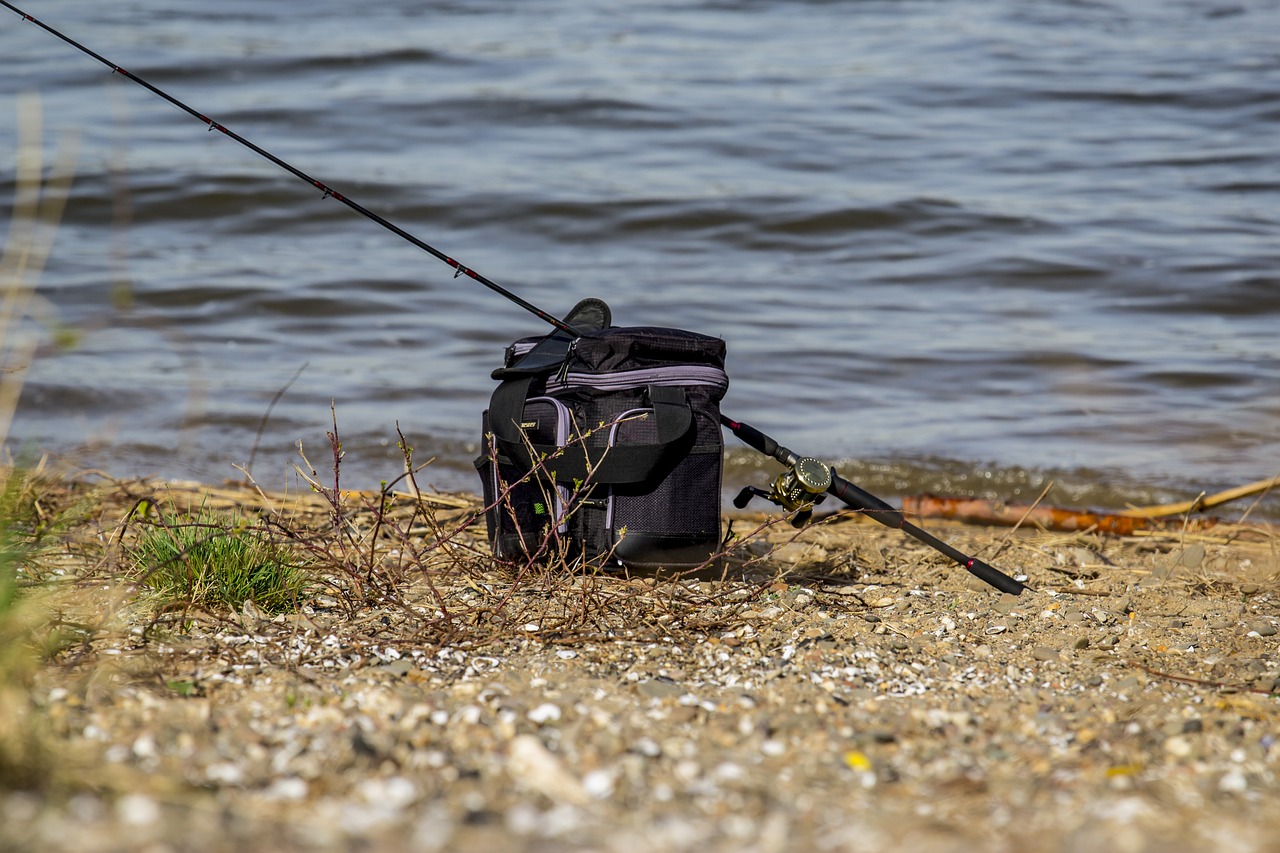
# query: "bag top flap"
608,350
634,347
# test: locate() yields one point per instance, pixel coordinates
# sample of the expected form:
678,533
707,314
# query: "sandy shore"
844,689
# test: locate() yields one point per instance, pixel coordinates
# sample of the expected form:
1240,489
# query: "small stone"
1262,628
659,688
137,810
1192,557
1178,746
1085,557
289,788
398,667
599,784
545,713
224,773
648,747
393,794
1129,682
1005,604
1233,782
532,766
1044,653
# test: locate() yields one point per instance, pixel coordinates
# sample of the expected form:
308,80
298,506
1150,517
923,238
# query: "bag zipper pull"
563,373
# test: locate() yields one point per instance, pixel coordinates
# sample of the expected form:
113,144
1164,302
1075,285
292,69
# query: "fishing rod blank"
856,498
329,192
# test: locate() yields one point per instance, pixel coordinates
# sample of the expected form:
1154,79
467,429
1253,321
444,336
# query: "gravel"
848,692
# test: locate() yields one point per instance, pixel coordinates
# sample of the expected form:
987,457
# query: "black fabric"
606,447
576,463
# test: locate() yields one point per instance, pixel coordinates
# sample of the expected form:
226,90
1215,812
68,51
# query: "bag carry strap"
627,463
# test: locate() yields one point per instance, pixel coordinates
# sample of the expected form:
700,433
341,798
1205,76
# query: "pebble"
659,688
599,784
1192,556
1178,746
532,766
288,788
545,713
1233,782
137,810
748,722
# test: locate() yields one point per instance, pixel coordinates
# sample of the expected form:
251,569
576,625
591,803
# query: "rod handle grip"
753,437
994,577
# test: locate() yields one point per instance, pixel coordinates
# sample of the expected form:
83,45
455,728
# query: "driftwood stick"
977,511
1204,502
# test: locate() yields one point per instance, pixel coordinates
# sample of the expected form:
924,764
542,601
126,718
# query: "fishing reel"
798,489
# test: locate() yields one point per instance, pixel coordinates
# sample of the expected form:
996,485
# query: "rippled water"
967,246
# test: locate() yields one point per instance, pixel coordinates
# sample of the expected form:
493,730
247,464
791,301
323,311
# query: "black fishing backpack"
604,446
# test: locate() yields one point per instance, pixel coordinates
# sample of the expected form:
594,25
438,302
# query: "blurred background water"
967,246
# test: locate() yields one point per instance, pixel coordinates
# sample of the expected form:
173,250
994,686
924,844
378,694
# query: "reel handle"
869,504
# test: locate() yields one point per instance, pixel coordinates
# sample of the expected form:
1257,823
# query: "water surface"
972,246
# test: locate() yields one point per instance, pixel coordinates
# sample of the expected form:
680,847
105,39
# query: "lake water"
971,246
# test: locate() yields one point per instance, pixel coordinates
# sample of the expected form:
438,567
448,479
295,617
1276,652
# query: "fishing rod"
798,489
329,192
806,482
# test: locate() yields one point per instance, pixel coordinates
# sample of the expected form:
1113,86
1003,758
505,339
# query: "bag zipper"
690,374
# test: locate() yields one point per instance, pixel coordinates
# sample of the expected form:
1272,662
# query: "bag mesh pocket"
672,521
523,504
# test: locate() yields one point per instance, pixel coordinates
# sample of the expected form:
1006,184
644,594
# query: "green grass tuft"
218,561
